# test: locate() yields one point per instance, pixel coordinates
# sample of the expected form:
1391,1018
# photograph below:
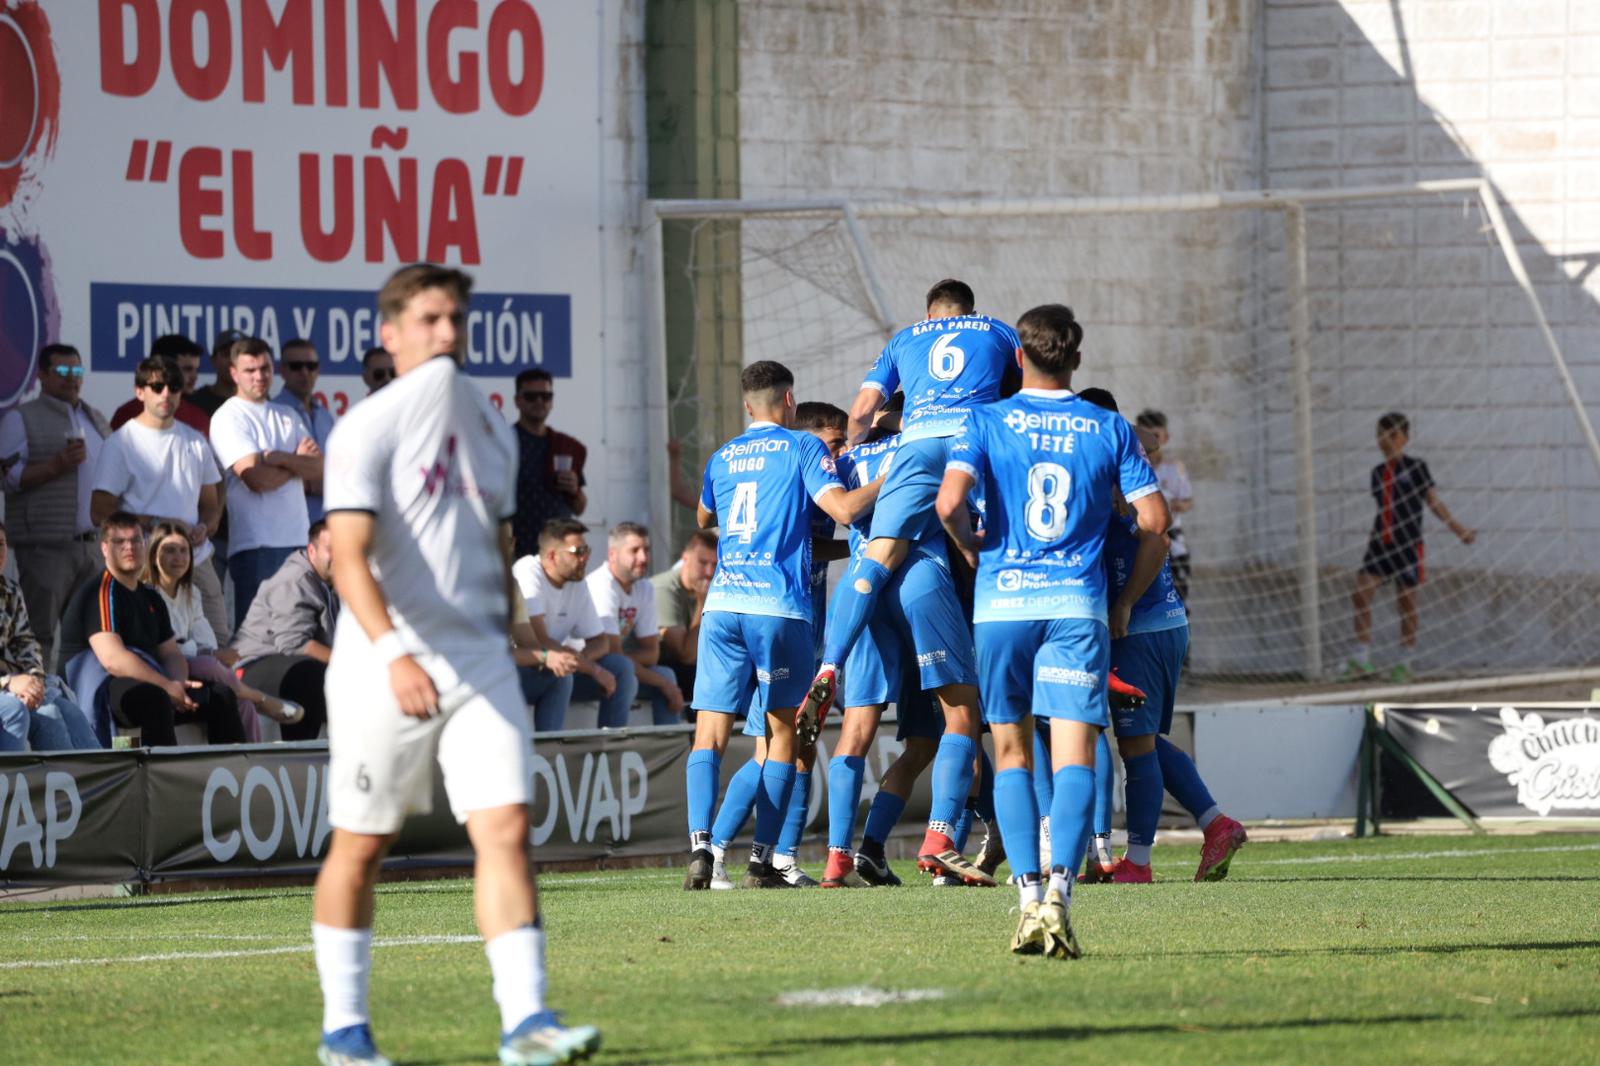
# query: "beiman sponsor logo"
1555,766
1020,421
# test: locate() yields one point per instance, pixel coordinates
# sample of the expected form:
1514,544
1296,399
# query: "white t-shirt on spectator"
275,519
158,472
569,614
629,615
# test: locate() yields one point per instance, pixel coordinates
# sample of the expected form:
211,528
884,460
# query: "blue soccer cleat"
350,1046
541,1040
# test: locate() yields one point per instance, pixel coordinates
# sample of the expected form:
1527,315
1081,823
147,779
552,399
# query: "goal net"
1272,360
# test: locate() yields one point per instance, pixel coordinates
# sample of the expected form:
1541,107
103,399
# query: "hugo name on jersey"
1046,464
1160,607
862,465
761,486
436,466
945,366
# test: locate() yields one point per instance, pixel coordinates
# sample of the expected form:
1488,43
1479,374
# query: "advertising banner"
191,166
1537,760
77,818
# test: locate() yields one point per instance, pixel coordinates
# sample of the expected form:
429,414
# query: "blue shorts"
751,655
917,623
1150,662
1053,668
904,510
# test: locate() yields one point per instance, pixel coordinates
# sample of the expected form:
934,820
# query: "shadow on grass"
1376,950
143,902
941,1038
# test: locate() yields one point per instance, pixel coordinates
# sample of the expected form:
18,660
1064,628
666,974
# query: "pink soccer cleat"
1224,836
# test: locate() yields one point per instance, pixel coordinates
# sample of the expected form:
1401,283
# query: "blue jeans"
248,570
550,695
55,725
659,713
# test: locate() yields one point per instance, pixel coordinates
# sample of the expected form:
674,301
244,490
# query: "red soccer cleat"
814,708
1224,836
938,855
1123,696
840,867
1130,873
1097,873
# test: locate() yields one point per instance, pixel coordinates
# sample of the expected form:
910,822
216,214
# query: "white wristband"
389,647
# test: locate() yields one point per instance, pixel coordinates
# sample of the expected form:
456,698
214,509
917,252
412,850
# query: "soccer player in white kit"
420,485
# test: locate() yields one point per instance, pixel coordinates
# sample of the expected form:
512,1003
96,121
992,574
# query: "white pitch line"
65,938
173,956
856,996
1453,853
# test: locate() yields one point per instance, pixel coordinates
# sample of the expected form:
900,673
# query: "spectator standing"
550,464
301,368
170,571
553,586
35,711
284,643
377,369
268,459
186,353
626,603
116,634
52,444
1175,486
680,594
221,390
155,467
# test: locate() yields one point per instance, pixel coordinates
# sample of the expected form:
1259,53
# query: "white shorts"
380,760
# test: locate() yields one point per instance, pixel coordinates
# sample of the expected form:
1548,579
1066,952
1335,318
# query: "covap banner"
190,166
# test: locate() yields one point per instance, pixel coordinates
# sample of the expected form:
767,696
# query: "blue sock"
845,774
772,801
882,815
700,777
1044,786
737,803
850,608
1179,777
1105,784
983,805
952,780
1144,804
1015,807
1070,815
794,819
963,829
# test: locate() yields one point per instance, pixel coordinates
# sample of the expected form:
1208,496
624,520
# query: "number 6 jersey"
760,486
945,366
1046,464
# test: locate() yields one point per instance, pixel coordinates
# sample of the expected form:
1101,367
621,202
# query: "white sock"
781,862
344,962
517,961
718,853
1062,882
1030,892
1138,854
761,854
1212,813
1100,849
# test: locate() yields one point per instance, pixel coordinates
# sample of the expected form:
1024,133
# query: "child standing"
1401,485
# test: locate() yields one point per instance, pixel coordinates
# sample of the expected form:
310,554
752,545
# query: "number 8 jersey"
760,486
1046,464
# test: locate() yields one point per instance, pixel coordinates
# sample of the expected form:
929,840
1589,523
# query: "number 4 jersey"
1046,464
761,485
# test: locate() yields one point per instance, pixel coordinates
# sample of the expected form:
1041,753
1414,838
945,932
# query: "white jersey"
437,466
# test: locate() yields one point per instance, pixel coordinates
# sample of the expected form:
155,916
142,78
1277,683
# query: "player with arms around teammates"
420,486
1048,465
756,628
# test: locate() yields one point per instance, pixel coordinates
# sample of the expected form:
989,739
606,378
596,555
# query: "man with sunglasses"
187,354
550,463
49,447
377,368
156,467
563,616
301,367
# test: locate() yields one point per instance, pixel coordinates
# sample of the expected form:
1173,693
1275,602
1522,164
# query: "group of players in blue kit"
1000,480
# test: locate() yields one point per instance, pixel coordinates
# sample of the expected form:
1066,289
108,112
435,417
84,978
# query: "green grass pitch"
1411,949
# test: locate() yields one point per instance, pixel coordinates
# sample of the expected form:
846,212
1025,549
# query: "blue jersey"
1160,607
1046,464
761,485
822,528
946,366
862,465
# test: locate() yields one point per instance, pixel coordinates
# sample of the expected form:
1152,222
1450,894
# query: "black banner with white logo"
1528,761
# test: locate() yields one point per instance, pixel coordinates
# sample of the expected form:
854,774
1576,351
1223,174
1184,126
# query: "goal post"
1274,324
